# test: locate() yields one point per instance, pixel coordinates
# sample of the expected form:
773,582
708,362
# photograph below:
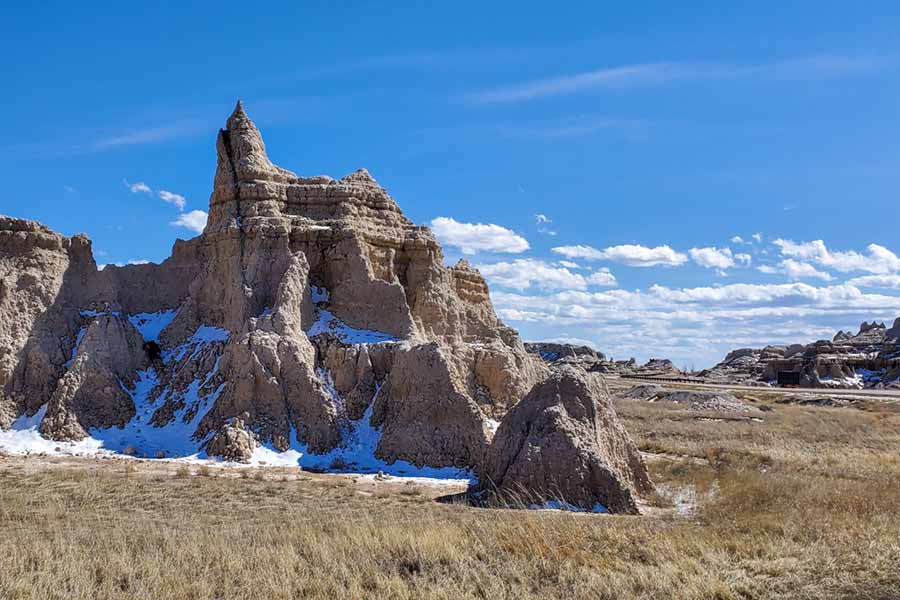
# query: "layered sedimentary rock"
869,358
561,356
309,307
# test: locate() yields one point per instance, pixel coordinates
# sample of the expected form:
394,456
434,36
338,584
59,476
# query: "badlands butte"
311,319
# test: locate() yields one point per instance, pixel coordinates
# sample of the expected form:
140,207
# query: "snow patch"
78,339
175,438
328,323
319,294
357,455
151,325
24,437
565,506
206,334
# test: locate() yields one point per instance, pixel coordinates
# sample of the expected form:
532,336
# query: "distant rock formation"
310,309
867,359
560,355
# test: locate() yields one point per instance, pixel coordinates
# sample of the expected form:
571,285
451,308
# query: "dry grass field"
805,504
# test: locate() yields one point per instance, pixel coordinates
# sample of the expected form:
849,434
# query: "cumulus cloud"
194,220
877,281
801,270
738,240
757,237
176,199
712,258
525,273
878,259
602,277
472,238
627,254
695,324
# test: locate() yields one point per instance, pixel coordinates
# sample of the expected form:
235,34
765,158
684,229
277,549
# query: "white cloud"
602,277
743,259
176,199
699,324
737,240
138,188
879,281
712,258
627,254
569,264
542,220
800,270
795,270
139,262
524,273
194,220
472,238
879,259
663,73
757,237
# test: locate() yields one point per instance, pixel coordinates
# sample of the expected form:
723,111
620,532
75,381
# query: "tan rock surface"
564,442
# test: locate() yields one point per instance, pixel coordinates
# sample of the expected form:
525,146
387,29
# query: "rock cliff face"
308,309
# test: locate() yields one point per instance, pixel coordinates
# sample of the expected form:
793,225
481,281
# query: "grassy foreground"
803,505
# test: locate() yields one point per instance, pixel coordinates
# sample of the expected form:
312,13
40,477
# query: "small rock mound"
563,442
722,401
645,391
233,443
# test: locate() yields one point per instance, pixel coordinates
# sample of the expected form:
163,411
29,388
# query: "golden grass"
805,505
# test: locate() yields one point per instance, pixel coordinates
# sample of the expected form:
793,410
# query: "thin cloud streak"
662,73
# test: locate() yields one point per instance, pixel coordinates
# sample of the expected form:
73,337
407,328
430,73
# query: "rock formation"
560,356
563,442
869,358
309,308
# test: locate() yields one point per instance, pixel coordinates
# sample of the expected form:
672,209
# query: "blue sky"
649,137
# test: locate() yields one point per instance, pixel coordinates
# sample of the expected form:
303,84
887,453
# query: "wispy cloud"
104,141
140,137
176,199
663,73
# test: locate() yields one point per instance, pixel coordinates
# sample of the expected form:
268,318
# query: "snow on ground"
174,439
151,325
328,323
843,382
357,455
870,377
24,437
560,505
319,294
